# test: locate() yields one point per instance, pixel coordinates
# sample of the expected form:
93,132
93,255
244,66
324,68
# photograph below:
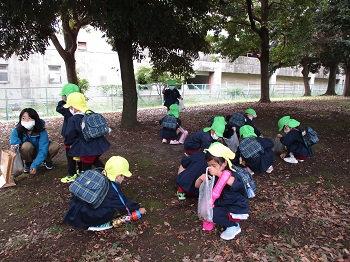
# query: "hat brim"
127,174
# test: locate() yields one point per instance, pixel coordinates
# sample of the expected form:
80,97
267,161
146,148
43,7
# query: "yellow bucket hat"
219,150
78,101
115,166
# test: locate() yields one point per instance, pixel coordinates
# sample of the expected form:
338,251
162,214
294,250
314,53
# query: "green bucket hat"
292,123
171,83
218,126
250,111
247,131
69,88
282,122
174,110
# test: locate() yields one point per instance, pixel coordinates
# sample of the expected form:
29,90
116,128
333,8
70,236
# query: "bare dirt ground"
300,213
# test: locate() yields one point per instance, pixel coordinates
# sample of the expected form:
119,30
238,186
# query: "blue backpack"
91,186
309,136
93,125
237,119
169,122
248,181
250,147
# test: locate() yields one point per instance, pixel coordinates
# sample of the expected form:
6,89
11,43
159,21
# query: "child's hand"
283,155
142,210
279,135
215,171
32,171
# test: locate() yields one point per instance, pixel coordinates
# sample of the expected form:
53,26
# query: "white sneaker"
164,141
105,226
291,160
301,161
231,232
269,170
174,142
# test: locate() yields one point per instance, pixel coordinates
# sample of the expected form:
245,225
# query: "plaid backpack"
248,181
169,122
237,119
91,186
309,136
93,125
250,147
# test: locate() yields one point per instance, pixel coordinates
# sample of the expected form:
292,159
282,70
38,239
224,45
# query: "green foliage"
83,84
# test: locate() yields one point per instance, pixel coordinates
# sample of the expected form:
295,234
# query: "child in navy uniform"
250,114
202,139
232,204
80,214
169,134
293,141
67,89
192,167
256,152
171,94
88,152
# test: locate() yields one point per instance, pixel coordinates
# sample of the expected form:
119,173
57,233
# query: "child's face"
215,168
286,129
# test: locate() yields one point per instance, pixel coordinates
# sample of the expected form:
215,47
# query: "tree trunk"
346,91
129,114
305,72
68,53
331,80
264,66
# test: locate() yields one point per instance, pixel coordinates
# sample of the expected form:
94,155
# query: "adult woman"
32,138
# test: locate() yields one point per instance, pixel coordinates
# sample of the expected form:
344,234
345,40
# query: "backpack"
93,125
237,119
248,181
250,147
91,186
169,122
309,136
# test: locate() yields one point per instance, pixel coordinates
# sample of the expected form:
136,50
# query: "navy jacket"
195,165
198,140
248,121
65,113
81,214
78,145
232,198
265,160
294,142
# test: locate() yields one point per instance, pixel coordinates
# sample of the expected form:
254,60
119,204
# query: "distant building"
96,62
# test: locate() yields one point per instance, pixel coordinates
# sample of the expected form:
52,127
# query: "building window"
82,46
54,74
4,74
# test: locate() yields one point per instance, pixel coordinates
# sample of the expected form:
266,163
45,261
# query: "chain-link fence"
110,98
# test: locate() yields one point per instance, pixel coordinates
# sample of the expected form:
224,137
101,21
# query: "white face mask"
286,130
214,136
71,111
28,125
171,87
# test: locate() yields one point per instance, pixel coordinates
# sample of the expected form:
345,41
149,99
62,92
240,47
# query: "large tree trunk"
346,91
332,80
305,72
264,66
129,114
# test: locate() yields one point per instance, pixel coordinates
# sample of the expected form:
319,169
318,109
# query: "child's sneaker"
269,170
105,226
249,170
69,179
181,195
231,232
174,142
291,160
164,141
